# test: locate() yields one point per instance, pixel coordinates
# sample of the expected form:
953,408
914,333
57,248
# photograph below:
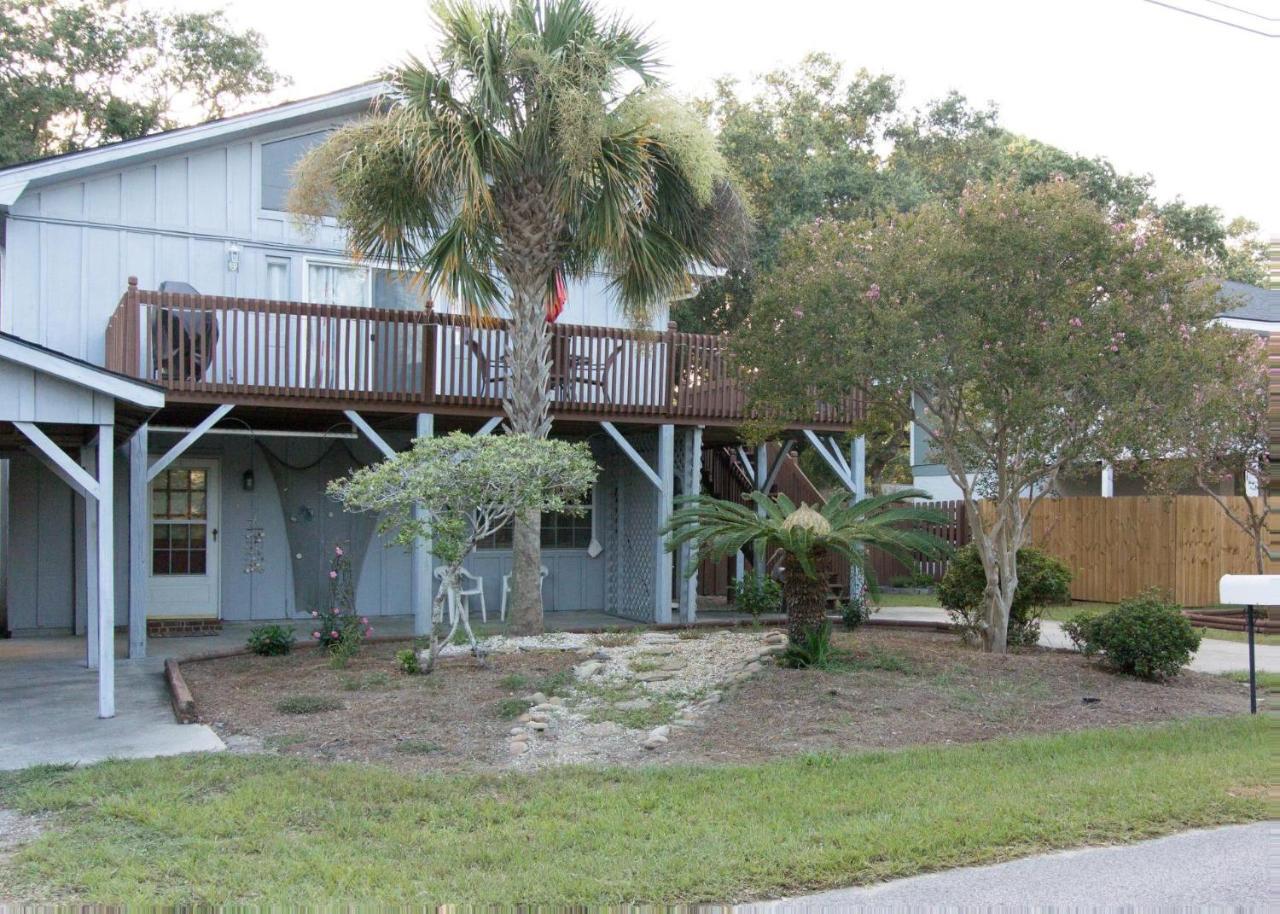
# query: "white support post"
641,464
688,555
858,459
1108,487
88,457
489,426
666,496
139,542
1250,484
106,575
421,570
374,438
758,557
835,461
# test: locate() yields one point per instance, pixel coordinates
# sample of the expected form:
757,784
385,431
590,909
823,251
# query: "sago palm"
889,522
536,142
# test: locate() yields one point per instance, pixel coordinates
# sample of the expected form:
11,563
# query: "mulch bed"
899,688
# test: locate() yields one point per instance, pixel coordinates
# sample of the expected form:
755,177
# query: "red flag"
556,301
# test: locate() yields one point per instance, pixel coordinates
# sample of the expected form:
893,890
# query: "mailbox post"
1250,591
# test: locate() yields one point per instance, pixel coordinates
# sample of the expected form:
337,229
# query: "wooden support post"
106,575
139,542
421,573
666,495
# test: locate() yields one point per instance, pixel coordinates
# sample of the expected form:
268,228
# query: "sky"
1192,102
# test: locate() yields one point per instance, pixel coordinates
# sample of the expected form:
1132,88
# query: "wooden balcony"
209,348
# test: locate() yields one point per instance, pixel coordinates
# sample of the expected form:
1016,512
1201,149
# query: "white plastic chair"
470,586
506,589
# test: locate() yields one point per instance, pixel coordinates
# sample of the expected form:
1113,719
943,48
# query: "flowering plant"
338,629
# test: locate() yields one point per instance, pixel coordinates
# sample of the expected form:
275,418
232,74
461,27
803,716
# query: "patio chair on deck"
469,585
183,340
589,374
506,590
490,371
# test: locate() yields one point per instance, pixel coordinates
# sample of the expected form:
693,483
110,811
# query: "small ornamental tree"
1217,428
1032,327
459,489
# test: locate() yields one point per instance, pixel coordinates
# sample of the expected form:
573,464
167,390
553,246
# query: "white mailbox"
1249,589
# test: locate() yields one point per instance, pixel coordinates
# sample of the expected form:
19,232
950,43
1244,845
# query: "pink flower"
333,634
798,312
368,631
333,574
364,620
337,550
314,613
315,634
873,294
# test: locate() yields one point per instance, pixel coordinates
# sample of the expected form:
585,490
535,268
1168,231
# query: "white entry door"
184,541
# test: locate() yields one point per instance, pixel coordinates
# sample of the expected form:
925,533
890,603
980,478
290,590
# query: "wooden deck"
208,348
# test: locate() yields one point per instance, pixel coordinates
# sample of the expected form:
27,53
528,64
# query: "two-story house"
246,360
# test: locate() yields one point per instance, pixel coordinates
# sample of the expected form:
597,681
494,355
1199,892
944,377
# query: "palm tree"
720,528
537,143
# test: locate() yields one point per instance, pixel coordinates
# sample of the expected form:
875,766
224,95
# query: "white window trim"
344,262
259,210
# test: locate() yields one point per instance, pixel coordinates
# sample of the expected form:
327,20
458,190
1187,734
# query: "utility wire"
1239,9
1226,22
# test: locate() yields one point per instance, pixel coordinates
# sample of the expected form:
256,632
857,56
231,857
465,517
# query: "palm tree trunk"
527,406
806,602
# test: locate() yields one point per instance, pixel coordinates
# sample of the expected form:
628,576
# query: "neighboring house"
1247,308
168,263
1273,264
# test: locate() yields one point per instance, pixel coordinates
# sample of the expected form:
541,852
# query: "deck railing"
204,346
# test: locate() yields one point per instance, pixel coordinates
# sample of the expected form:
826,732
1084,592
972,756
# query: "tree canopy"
79,73
814,142
1033,328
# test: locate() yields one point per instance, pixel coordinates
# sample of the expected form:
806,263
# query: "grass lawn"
226,828
906,599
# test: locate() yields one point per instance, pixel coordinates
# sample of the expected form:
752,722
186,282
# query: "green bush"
271,640
1042,581
857,610
914,579
814,652
407,662
1145,636
756,597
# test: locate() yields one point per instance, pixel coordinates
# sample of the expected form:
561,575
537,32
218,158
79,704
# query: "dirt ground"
896,688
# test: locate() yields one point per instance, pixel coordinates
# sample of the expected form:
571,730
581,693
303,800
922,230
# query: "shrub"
756,597
914,579
308,704
1042,581
857,610
814,651
337,629
271,640
1145,636
407,662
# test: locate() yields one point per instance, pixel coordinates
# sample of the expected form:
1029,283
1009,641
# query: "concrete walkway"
1213,869
48,712
1215,655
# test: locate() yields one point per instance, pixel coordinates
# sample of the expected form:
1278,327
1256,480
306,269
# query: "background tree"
77,73
1035,329
1216,428
470,487
813,142
721,528
538,143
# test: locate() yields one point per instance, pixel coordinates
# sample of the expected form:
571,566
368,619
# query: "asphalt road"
1236,867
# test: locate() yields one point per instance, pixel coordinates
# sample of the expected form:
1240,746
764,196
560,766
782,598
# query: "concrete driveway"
1215,655
1217,869
48,709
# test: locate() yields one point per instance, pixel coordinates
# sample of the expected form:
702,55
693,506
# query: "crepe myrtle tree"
537,143
720,528
1031,327
1216,428
467,487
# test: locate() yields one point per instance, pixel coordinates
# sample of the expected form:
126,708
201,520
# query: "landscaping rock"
633,704
517,747
537,698
654,676
775,638
588,669
538,725
657,737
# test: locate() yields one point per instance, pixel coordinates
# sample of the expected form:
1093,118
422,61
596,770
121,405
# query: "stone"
660,651
775,638
588,669
633,704
654,676
537,698
752,667
659,638
654,742
544,708
517,747
525,718
555,701
538,725
537,717
661,732
517,731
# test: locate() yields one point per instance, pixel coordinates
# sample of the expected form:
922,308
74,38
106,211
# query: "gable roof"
79,372
17,178
1249,303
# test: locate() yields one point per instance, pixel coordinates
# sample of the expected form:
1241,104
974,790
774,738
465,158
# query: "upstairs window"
278,159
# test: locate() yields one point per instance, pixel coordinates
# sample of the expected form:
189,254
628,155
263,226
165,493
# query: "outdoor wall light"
233,258
247,481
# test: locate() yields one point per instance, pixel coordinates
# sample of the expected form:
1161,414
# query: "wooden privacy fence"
1117,547
954,531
